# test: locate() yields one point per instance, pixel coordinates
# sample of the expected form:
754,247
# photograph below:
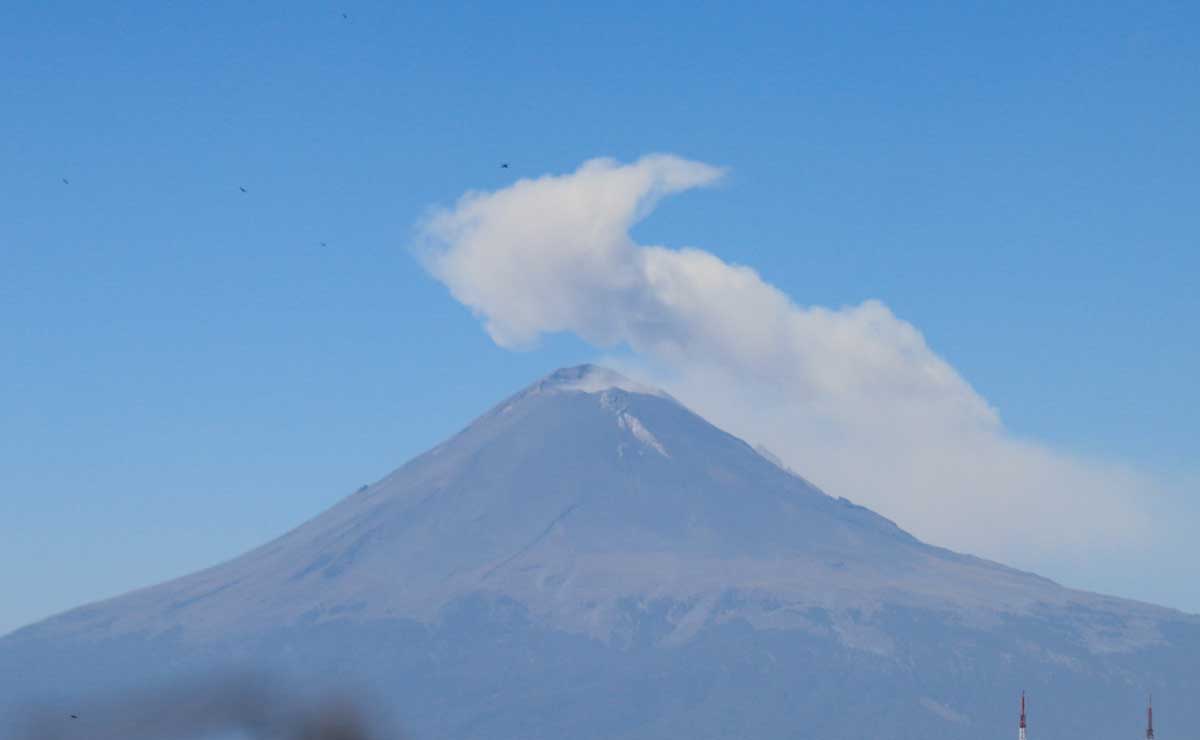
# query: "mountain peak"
588,378
591,542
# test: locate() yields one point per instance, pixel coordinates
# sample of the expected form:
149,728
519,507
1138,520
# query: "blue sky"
187,371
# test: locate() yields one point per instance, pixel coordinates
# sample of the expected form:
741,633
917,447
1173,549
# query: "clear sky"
187,369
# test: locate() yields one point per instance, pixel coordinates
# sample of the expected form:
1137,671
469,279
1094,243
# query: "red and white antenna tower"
1149,718
1021,726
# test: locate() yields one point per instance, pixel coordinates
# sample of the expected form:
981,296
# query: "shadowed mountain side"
590,552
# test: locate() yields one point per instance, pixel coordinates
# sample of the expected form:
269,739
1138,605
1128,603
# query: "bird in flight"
504,165
241,188
344,16
74,716
322,244
66,181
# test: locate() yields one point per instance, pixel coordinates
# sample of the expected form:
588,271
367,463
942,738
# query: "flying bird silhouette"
322,244
504,165
74,716
241,188
66,181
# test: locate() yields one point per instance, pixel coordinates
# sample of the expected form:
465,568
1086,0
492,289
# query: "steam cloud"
851,397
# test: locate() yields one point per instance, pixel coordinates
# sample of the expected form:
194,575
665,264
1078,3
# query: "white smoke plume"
853,398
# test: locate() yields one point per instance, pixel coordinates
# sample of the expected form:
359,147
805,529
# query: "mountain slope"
590,546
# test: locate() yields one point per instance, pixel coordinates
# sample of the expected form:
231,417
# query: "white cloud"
852,397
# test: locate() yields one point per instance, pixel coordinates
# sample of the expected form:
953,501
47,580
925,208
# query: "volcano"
591,559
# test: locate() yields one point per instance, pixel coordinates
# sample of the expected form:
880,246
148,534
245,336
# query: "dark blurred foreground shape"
215,707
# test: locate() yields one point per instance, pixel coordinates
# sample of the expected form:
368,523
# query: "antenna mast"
1021,726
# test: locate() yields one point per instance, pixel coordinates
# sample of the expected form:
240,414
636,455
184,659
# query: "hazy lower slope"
591,559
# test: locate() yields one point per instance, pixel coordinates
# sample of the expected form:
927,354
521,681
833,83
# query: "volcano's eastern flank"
590,533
